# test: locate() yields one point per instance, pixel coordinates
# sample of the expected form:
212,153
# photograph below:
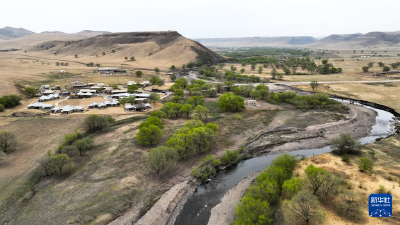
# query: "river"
197,209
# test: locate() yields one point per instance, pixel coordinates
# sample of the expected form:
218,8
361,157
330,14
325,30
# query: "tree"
139,73
76,56
157,70
254,94
45,163
349,204
61,164
242,71
228,85
7,140
320,180
71,151
173,77
154,80
161,159
231,102
132,89
394,65
154,97
200,112
365,164
286,71
314,85
179,92
1,107
183,66
160,82
172,67
233,68
186,109
152,120
31,92
195,101
95,122
253,66
114,86
219,87
345,144
126,57
82,145
370,64
104,53
386,68
132,58
291,187
158,113
304,207
149,135
381,64
253,211
274,73
365,69
260,69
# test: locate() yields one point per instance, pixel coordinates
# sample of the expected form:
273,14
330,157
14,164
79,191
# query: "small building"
93,105
56,110
78,84
70,109
142,106
250,103
129,108
47,92
84,95
39,105
50,97
119,91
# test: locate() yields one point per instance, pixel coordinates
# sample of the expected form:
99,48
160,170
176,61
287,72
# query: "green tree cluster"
96,122
265,192
31,91
194,138
150,131
9,101
231,102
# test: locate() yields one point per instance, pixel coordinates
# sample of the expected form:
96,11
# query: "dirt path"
222,214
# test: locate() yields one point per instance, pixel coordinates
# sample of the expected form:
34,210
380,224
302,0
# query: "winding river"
197,209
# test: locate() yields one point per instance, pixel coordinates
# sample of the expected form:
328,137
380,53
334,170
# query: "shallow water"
197,209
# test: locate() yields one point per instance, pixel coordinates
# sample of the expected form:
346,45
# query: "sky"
205,18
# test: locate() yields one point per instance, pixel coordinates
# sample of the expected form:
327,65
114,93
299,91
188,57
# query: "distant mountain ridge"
11,32
257,41
357,41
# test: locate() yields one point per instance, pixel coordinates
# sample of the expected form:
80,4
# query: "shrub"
158,113
31,92
71,151
149,135
291,187
152,120
349,205
346,158
71,138
253,211
230,157
95,122
345,144
304,207
365,164
1,107
382,189
7,140
60,164
82,145
161,159
320,180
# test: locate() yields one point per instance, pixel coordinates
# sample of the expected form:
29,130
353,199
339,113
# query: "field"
383,93
385,173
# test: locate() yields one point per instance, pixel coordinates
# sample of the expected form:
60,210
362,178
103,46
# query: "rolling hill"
11,32
150,49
